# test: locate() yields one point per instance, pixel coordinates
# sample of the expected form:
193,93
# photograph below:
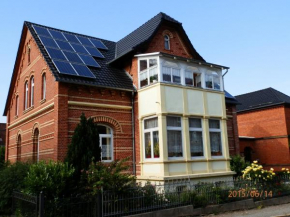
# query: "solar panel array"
71,54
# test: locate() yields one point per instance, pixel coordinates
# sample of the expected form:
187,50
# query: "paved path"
270,211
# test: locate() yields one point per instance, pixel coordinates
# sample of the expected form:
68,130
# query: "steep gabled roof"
261,99
106,76
144,33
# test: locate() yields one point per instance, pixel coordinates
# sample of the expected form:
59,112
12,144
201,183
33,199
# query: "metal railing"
150,197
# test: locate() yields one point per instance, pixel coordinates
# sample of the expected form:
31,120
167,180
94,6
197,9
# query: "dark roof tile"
261,98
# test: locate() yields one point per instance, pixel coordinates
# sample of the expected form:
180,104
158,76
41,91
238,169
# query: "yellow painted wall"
162,100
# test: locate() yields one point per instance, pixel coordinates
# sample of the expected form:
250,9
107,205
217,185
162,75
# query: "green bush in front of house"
11,178
2,157
52,178
238,164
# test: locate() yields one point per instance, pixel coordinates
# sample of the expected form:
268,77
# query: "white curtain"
151,123
196,145
174,142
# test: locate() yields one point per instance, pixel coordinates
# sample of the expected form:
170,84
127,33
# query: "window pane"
197,80
188,78
151,123
176,76
147,145
214,124
153,75
103,129
166,73
156,144
216,80
208,81
196,145
194,123
106,149
143,79
143,65
215,143
173,121
174,142
152,62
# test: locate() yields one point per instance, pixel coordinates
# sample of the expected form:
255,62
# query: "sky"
250,37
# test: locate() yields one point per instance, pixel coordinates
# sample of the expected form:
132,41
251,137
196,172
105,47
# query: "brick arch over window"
167,32
109,121
35,126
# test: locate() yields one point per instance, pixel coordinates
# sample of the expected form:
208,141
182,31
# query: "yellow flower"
287,169
255,162
259,175
283,168
272,169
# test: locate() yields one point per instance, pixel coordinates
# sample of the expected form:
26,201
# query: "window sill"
28,109
42,101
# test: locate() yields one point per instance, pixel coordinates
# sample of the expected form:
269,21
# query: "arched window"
28,53
166,42
18,154
35,156
106,142
32,91
16,105
43,86
26,95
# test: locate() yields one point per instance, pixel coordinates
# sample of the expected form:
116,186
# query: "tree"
84,147
2,156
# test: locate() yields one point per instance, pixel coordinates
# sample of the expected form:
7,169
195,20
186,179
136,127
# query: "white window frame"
151,130
194,129
194,80
216,131
147,71
166,41
112,142
43,86
32,91
168,128
171,76
26,95
212,80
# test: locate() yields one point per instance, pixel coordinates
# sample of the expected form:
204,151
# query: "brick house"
2,134
153,96
264,127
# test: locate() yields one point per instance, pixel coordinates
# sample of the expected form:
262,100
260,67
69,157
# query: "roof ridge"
69,32
278,94
253,91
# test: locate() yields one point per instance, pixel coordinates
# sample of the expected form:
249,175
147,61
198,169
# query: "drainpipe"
133,134
223,78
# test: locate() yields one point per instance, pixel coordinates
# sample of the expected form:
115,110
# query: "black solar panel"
64,67
48,42
71,54
41,31
94,52
64,45
80,49
85,41
89,61
83,71
56,34
98,44
55,54
71,38
73,57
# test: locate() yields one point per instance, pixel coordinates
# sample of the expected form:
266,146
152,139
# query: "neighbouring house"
155,99
2,134
264,127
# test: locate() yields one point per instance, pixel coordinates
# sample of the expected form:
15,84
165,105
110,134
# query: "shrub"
238,164
84,147
256,172
11,178
51,178
112,176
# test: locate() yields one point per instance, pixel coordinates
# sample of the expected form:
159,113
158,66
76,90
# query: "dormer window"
166,42
148,72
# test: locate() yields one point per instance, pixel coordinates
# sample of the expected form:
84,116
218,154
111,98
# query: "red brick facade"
266,132
232,127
